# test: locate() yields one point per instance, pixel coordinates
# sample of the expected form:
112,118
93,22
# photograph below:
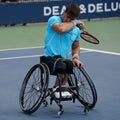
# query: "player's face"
66,17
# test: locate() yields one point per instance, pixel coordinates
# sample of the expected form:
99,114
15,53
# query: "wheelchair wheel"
33,89
85,88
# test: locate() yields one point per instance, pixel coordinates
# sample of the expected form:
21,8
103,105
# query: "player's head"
72,12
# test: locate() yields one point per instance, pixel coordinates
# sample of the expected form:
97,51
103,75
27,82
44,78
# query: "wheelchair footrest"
64,99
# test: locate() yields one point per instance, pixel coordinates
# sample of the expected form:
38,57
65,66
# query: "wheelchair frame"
35,89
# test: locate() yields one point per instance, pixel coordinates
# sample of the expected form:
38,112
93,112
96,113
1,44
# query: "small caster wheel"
60,112
86,109
45,103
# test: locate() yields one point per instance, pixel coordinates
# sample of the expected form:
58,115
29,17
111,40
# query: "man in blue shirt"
62,37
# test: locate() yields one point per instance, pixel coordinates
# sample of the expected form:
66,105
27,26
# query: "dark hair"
73,10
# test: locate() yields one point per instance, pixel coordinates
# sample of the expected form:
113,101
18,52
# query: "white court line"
27,56
20,57
15,49
101,51
37,47
31,56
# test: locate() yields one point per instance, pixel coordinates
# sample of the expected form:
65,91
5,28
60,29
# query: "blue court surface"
103,67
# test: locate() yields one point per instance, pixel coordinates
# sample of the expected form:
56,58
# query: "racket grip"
80,26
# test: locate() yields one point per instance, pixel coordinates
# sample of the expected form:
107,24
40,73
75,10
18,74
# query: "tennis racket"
85,35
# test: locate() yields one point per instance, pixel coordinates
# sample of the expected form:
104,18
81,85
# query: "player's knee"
60,67
69,66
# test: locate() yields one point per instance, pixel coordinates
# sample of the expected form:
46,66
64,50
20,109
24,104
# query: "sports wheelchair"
35,89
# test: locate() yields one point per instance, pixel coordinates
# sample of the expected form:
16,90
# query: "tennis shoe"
64,94
67,94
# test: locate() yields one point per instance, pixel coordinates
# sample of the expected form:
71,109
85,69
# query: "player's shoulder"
54,18
76,29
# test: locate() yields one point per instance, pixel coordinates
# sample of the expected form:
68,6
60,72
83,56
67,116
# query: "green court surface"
108,31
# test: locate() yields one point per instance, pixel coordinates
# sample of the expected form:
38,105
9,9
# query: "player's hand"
77,62
82,25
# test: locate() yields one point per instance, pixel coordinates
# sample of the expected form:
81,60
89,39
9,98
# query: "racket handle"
80,26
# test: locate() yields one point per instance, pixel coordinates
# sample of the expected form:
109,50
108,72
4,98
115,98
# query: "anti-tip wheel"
45,103
60,112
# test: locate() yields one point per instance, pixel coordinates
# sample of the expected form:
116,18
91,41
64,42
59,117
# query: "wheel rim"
84,87
34,88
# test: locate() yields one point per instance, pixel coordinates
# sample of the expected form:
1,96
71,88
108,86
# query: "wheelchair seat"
57,64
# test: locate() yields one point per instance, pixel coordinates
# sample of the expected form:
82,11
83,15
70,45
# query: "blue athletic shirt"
59,43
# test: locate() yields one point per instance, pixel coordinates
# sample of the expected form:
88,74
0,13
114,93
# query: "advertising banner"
33,12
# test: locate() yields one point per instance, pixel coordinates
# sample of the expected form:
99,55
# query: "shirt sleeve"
52,20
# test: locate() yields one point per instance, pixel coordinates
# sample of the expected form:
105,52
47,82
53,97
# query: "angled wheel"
85,89
33,89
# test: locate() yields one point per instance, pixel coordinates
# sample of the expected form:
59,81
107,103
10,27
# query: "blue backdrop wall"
33,12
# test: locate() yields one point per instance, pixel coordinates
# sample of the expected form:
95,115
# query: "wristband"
74,22
75,56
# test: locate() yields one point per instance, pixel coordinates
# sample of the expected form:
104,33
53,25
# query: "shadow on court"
103,68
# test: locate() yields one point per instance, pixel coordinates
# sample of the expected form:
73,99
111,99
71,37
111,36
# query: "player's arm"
63,27
66,26
76,53
76,48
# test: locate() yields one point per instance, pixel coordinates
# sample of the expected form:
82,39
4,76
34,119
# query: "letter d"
47,11
91,8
